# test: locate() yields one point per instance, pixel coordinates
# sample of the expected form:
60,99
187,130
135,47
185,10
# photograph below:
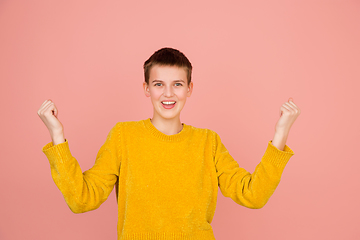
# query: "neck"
167,126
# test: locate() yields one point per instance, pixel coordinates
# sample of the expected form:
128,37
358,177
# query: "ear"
190,89
146,89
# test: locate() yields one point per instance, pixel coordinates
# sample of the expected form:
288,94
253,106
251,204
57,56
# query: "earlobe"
189,92
190,89
146,90
147,94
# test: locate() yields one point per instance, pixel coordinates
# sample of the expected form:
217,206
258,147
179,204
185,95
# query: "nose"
168,92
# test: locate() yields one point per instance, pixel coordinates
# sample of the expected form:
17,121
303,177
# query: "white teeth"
168,103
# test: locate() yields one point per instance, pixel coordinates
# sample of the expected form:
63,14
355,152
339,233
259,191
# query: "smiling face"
167,84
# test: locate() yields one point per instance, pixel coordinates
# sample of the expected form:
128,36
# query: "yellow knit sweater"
166,185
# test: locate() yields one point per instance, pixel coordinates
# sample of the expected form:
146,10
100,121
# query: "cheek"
155,93
182,95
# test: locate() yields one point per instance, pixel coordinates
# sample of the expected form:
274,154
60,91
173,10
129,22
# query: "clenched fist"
288,114
48,114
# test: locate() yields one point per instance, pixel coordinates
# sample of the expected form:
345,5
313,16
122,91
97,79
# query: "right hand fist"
48,114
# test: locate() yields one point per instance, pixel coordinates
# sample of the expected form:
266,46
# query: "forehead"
164,73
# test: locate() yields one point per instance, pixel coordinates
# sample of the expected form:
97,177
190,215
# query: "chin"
169,116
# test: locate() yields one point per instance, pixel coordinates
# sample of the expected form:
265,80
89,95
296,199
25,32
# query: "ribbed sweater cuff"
58,152
276,156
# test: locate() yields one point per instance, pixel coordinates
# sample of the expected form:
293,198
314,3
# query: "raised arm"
85,191
254,190
251,190
82,191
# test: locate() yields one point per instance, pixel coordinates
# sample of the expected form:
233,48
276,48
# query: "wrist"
279,139
57,137
282,132
56,132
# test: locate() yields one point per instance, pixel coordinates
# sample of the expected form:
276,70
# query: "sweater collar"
162,136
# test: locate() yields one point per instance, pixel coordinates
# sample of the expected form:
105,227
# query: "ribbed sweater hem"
56,153
277,157
200,235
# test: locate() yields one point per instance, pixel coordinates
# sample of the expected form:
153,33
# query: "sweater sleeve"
88,190
246,189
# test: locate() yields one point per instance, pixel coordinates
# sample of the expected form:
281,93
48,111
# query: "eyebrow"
173,81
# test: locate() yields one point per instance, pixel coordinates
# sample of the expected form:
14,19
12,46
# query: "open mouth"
168,104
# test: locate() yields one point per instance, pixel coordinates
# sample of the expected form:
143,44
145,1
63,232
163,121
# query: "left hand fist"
288,114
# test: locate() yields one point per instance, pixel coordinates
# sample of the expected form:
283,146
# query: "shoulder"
205,132
208,136
129,125
211,136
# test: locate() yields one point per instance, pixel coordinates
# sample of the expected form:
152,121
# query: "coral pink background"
249,57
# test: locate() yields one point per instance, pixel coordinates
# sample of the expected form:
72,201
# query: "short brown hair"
167,57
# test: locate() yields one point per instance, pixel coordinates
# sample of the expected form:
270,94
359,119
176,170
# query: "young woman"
166,173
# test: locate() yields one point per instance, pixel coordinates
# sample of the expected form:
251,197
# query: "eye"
156,84
179,83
